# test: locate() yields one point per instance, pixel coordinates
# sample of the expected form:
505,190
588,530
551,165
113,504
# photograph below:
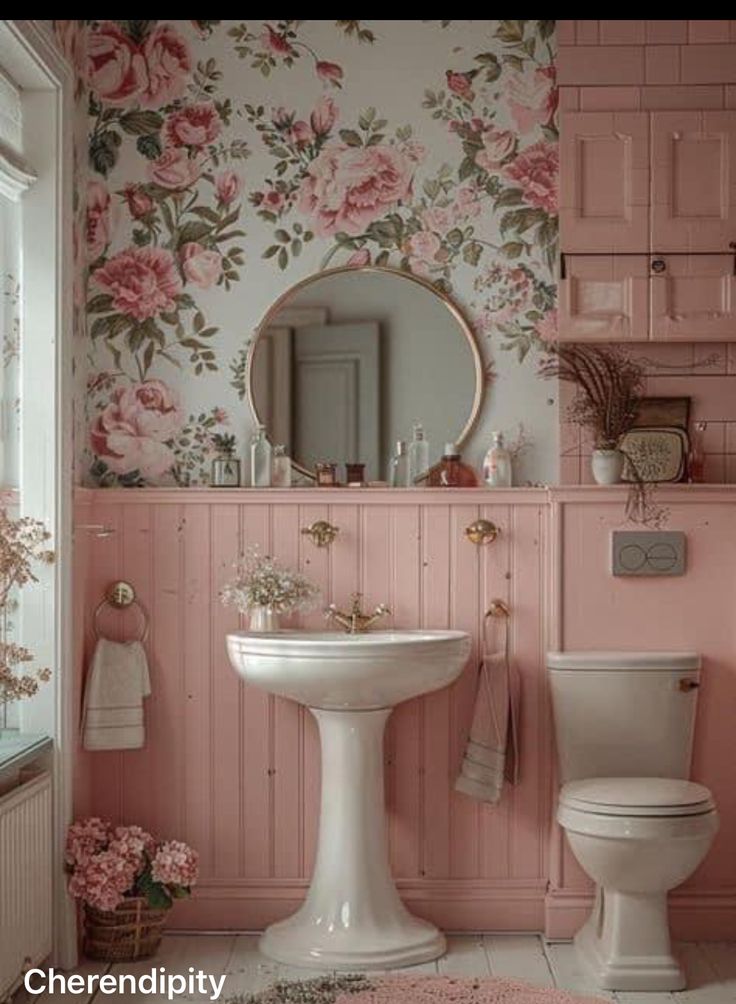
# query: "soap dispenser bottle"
399,474
452,471
260,459
497,472
418,454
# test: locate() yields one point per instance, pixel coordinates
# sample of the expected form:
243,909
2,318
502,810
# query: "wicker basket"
131,931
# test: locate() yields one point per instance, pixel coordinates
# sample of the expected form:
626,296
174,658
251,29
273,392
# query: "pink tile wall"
706,373
630,65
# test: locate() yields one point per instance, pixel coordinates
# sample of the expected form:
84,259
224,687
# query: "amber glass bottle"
452,471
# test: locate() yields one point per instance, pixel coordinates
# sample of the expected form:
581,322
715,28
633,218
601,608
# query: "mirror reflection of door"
336,394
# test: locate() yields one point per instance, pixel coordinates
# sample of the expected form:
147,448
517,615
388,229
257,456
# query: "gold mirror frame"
453,308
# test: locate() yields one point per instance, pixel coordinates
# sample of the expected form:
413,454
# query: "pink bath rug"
359,989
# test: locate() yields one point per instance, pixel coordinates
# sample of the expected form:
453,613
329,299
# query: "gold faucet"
355,622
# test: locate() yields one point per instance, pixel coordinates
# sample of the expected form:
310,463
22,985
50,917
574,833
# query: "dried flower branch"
23,542
261,582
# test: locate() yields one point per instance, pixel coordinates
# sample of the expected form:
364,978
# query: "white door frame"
29,55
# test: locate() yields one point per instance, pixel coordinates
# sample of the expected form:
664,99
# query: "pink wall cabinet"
693,299
693,180
604,181
604,298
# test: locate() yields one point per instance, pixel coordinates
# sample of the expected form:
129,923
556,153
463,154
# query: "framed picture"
659,454
664,412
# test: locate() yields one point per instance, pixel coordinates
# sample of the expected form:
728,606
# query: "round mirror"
347,361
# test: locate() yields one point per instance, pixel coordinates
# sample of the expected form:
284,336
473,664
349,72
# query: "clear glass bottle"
418,454
452,471
696,454
399,475
260,459
497,470
280,468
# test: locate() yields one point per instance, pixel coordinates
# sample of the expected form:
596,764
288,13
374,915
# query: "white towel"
113,698
492,754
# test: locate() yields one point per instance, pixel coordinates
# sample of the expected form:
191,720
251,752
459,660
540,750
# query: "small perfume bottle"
399,476
280,468
497,472
451,471
260,459
418,454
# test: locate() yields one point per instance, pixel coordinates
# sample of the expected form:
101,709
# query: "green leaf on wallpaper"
382,258
193,231
467,169
509,197
514,61
545,28
529,46
350,137
99,304
365,120
472,252
511,32
296,247
198,322
103,150
454,238
141,123
206,213
185,301
521,219
271,251
141,237
512,249
551,133
489,62
282,236
375,139
149,146
283,258
547,231
148,356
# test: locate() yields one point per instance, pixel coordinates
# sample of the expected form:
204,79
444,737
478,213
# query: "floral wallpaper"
221,161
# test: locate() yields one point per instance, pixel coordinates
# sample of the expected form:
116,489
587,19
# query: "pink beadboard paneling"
707,64
565,32
662,32
621,32
708,31
694,96
662,64
607,99
609,64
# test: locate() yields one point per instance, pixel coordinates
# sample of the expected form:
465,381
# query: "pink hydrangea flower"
175,863
85,838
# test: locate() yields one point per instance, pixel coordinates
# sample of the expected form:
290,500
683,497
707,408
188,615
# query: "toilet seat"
649,797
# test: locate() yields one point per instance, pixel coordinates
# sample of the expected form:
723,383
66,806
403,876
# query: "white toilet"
624,726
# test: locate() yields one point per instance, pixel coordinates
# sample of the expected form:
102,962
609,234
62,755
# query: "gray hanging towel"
492,751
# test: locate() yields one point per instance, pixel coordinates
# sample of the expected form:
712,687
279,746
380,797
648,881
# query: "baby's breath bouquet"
260,582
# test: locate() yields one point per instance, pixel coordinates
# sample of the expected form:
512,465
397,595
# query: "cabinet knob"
658,265
321,532
482,531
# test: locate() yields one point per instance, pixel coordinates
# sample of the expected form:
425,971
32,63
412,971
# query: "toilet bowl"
637,838
624,725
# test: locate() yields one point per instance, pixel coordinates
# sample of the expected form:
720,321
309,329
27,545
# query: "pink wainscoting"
594,610
236,772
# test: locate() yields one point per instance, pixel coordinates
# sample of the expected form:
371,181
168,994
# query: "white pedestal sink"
352,917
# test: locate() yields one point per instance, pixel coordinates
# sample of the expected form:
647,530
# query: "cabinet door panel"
604,298
694,299
604,181
693,181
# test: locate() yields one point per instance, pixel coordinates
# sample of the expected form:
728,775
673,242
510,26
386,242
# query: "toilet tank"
624,714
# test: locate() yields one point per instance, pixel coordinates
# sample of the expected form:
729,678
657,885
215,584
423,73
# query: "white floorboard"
711,968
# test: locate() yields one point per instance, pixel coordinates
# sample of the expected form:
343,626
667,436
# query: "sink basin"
327,669
352,918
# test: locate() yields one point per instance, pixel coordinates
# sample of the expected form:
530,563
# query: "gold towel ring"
121,595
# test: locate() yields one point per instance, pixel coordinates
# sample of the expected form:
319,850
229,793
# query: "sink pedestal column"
352,918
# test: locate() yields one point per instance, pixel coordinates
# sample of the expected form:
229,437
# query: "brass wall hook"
482,531
321,532
498,608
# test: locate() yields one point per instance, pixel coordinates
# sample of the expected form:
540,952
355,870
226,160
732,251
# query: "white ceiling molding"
16,177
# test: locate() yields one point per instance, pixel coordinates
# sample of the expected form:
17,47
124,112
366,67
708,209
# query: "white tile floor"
711,967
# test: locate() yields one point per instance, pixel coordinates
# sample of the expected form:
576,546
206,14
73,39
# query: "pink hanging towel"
492,752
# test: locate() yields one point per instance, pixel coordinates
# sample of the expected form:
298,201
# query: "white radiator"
25,879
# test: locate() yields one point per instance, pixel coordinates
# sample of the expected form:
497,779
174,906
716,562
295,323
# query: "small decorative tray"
659,453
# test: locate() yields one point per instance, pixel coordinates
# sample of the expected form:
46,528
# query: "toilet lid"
637,796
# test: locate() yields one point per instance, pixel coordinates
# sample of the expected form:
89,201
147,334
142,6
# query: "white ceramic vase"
263,619
607,466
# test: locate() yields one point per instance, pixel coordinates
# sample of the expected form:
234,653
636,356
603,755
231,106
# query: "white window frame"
31,59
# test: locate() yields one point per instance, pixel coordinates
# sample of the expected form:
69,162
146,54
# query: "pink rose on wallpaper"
97,219
301,134
532,97
131,433
329,73
194,125
423,248
535,172
439,218
227,186
498,145
276,43
324,116
273,200
201,266
168,64
347,187
139,202
115,66
142,281
460,84
358,259
175,169
546,327
467,203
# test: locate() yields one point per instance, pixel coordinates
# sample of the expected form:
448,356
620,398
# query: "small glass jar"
326,474
355,475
